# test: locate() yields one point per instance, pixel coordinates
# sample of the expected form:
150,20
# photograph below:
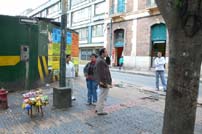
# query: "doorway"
119,52
118,45
157,47
158,41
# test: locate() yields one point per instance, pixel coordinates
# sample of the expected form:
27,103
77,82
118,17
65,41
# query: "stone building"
138,32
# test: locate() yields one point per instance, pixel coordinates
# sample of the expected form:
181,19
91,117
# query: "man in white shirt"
159,63
70,74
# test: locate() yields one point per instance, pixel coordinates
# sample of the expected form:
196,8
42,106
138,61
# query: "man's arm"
156,64
101,72
73,71
85,70
162,61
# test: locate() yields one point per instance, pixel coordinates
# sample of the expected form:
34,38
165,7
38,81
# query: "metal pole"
62,82
112,11
27,75
110,52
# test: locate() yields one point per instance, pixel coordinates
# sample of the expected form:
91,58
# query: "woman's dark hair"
93,54
102,50
108,60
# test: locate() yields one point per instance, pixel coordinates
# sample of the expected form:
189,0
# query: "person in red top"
91,81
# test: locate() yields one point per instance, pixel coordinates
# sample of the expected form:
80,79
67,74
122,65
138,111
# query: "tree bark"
185,48
183,84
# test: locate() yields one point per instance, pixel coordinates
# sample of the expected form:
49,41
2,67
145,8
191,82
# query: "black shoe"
102,113
88,103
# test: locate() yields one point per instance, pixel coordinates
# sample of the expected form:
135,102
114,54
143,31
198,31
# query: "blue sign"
69,38
56,36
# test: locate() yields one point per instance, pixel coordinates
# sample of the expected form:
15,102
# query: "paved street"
131,111
140,80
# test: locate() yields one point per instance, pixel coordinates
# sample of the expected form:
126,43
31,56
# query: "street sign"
28,20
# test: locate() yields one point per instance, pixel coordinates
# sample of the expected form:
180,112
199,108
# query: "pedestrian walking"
104,80
159,64
92,85
121,62
70,74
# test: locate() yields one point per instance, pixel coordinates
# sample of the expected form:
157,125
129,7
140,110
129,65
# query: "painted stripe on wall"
45,66
40,69
9,60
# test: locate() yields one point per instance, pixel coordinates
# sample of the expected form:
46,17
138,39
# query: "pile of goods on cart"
34,100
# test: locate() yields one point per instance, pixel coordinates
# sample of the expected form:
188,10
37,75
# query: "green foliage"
178,3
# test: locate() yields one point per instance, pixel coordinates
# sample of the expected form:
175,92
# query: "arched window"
119,38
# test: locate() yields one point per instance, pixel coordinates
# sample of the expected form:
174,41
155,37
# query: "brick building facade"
138,32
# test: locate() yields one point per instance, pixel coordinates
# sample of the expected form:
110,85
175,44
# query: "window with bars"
75,2
81,15
86,53
99,8
83,33
54,8
98,31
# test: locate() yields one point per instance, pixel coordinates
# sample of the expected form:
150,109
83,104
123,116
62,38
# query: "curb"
130,72
199,100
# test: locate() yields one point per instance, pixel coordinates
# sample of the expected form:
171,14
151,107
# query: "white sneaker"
73,98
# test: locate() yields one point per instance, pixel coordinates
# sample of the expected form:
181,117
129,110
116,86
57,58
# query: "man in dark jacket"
104,80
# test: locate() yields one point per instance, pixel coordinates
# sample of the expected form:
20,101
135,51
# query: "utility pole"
62,95
62,82
111,12
110,52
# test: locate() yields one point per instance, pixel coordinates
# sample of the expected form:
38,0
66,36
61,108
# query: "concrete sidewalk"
130,111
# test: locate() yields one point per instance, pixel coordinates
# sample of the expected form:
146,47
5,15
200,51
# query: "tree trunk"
184,21
183,83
